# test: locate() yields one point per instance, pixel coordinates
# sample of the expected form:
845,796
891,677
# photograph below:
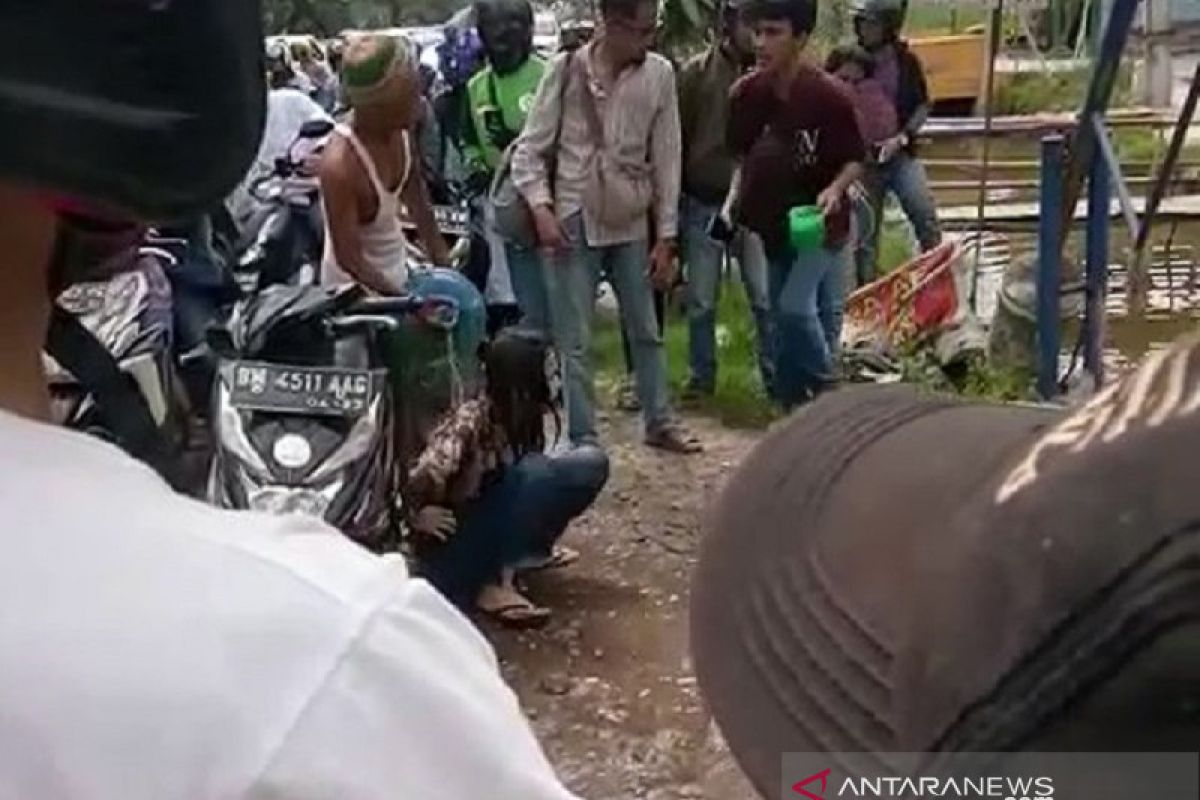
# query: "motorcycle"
110,348
303,416
284,237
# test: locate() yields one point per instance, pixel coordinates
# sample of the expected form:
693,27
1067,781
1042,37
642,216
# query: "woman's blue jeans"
807,296
517,518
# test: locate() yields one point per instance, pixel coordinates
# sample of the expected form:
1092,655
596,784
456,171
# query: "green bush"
1035,92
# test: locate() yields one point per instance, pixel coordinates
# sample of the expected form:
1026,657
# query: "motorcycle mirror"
316,129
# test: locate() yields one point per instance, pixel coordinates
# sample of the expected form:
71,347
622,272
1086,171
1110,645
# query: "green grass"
975,379
895,246
738,402
1034,92
986,382
942,19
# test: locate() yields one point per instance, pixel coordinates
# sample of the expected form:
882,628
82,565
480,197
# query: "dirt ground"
608,683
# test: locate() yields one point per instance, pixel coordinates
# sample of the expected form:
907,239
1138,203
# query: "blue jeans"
904,176
807,301
572,280
529,285
704,258
516,518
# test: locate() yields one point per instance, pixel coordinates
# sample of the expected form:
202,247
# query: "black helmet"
151,109
728,11
888,13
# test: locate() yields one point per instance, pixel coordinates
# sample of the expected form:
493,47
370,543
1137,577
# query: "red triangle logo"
821,776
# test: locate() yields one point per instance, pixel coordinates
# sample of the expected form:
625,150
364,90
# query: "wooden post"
995,26
1159,74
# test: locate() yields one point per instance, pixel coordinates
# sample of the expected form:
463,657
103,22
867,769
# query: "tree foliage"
327,17
686,24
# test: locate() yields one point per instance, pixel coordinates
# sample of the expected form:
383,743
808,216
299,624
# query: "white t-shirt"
153,647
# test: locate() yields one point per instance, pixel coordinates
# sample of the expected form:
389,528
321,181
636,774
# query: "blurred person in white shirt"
152,646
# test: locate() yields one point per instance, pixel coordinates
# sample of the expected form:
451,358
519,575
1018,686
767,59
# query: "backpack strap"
590,110
121,407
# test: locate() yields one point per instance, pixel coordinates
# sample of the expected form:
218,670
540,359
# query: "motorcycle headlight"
288,500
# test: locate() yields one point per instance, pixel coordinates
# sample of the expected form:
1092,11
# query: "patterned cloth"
910,304
462,449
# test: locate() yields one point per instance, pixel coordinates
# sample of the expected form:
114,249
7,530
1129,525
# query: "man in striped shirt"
598,162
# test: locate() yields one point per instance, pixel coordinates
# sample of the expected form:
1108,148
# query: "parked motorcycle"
284,237
112,373
303,412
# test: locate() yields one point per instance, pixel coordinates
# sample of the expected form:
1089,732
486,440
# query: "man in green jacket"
499,98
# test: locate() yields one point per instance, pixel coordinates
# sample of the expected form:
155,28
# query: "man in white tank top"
367,175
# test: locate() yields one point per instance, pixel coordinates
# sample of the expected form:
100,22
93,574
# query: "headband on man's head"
364,78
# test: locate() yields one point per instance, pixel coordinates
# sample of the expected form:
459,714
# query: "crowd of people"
630,170
606,163
673,169
152,646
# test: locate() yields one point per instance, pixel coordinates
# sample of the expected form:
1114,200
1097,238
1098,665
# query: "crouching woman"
485,501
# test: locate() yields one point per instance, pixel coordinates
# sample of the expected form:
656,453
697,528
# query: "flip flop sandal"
519,616
560,557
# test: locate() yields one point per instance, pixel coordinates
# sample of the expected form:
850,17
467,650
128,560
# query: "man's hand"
550,233
440,252
830,201
888,148
435,521
664,265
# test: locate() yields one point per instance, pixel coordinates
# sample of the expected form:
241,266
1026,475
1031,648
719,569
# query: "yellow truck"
954,65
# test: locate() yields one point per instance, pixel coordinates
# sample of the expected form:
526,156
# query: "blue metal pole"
1104,75
1050,230
1099,201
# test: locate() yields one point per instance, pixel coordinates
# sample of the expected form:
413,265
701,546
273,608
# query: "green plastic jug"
806,228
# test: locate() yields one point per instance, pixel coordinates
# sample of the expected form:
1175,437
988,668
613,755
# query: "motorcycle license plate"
301,390
450,219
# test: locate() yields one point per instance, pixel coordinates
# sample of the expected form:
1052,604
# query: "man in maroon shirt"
795,130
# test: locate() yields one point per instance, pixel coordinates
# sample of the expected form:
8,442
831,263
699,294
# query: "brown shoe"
674,438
